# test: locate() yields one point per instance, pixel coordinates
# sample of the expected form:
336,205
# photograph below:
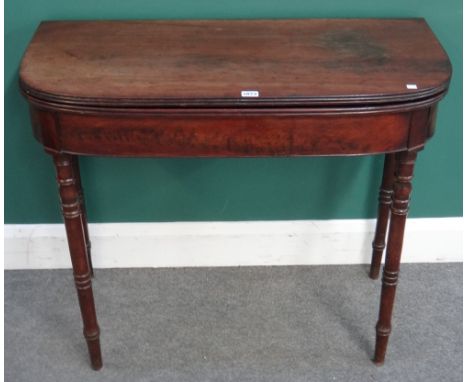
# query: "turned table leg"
72,214
399,210
385,200
83,216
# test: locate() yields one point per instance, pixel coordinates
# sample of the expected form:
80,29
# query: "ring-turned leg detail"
399,210
385,201
72,213
84,217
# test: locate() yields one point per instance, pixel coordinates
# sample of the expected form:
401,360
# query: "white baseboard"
118,245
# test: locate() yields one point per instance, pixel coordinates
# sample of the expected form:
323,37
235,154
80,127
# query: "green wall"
227,189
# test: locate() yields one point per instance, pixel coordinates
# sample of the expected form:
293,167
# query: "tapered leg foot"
385,200
399,210
72,213
381,345
94,349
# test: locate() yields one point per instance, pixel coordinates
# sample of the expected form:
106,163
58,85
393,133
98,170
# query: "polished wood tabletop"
236,88
182,63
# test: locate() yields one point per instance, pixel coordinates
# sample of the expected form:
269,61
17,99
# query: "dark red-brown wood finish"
238,88
76,171
75,225
385,201
209,63
400,204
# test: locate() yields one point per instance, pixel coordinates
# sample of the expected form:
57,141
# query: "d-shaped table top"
234,63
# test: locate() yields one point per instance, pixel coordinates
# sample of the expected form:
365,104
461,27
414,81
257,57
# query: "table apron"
231,135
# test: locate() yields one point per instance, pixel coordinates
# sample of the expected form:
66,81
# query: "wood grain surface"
210,62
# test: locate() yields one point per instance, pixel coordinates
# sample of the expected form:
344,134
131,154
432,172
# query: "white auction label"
250,93
411,86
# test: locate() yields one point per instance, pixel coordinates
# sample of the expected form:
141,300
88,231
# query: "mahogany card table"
235,88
